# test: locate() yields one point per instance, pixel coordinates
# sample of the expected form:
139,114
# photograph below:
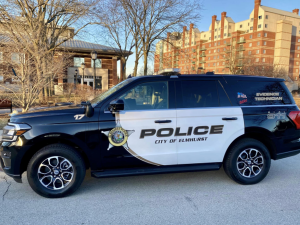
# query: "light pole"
76,72
94,57
82,67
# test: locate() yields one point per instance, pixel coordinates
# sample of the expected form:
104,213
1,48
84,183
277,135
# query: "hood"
61,114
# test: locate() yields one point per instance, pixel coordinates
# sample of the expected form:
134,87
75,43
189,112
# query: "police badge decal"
118,136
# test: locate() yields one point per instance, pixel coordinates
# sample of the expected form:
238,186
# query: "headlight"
13,130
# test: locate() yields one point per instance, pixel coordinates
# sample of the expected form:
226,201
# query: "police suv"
156,124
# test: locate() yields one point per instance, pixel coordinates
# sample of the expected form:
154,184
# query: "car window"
258,93
198,94
152,95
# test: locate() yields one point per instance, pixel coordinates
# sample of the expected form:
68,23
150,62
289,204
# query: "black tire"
230,161
62,151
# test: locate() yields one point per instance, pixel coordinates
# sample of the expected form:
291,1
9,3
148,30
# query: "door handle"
163,121
229,118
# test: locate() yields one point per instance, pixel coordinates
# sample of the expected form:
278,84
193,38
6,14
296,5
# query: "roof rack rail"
169,72
210,73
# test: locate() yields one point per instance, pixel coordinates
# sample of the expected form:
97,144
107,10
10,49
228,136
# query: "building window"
214,64
215,30
258,43
215,37
241,26
252,19
219,43
218,57
251,28
299,40
98,63
214,57
250,44
208,58
209,45
248,24
297,63
259,26
209,51
225,27
264,60
224,49
225,35
249,53
260,17
266,34
215,50
229,27
264,51
297,70
258,35
266,25
224,42
218,64
209,38
78,61
204,35
17,58
257,51
297,55
250,36
208,64
265,43
267,17
219,49
257,60
229,35
215,44
298,48
219,36
223,63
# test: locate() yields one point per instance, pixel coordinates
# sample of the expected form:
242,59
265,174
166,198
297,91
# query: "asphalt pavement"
182,198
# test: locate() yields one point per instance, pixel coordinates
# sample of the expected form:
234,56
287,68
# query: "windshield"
110,91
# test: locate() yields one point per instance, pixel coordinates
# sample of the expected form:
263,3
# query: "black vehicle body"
62,125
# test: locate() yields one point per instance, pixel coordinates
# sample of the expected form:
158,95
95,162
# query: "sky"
238,10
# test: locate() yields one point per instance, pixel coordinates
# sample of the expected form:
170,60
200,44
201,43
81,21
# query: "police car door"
206,122
146,125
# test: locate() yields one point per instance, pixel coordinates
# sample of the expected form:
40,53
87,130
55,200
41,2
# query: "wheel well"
257,136
28,155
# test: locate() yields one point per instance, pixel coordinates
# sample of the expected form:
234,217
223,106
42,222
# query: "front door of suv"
143,131
206,122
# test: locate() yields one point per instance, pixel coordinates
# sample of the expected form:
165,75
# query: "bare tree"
154,18
40,26
19,68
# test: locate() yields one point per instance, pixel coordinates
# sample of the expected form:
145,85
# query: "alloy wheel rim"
250,163
55,172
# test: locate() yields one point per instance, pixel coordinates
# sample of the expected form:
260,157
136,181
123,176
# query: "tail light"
295,117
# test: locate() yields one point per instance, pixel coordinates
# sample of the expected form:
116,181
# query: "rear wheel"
56,171
247,162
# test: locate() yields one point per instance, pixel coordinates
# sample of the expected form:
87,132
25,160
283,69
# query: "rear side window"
258,93
199,94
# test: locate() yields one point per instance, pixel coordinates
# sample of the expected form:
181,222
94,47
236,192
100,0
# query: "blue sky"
238,10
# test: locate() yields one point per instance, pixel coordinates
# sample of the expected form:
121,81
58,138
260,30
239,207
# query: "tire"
258,162
60,166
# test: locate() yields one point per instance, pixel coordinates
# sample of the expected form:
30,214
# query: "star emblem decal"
118,136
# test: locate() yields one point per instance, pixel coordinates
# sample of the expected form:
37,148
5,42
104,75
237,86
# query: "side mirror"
116,105
89,110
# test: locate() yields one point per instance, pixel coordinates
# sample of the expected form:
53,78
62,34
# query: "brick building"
268,36
80,52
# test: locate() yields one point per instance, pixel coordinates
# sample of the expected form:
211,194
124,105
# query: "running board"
155,170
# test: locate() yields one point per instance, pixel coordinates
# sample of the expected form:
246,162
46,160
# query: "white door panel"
210,142
148,147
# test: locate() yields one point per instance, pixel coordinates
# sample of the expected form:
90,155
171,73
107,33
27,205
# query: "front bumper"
11,160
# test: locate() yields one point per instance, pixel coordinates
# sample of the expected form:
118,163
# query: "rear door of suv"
207,123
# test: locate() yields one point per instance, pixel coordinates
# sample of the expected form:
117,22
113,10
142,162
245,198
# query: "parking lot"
183,198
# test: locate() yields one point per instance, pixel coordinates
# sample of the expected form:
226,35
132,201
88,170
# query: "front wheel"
247,162
56,171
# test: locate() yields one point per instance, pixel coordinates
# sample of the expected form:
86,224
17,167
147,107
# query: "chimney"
296,11
168,39
191,32
223,16
183,36
213,21
256,8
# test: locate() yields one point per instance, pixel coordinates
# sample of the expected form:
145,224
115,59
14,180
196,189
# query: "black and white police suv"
156,124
